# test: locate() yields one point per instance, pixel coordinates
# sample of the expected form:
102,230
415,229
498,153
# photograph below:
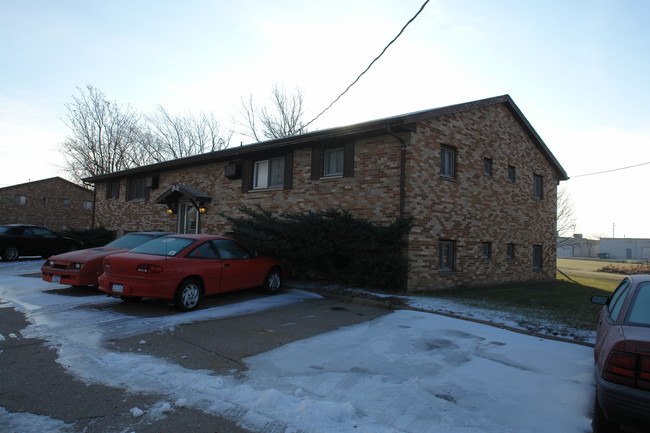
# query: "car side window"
618,298
229,249
203,251
640,309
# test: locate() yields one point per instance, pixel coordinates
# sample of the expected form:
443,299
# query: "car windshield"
640,309
3,229
129,241
164,246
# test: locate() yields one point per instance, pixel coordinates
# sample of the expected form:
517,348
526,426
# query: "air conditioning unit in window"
233,170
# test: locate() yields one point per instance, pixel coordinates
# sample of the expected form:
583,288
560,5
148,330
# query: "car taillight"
150,269
628,369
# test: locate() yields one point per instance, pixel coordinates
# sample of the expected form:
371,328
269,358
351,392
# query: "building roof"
48,180
396,124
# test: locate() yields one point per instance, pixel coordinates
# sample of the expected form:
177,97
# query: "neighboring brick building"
54,203
478,181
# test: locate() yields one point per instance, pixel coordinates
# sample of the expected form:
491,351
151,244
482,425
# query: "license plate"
118,288
56,279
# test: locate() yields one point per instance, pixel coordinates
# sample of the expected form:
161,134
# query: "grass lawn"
564,300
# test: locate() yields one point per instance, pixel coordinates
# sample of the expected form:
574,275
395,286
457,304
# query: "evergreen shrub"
332,245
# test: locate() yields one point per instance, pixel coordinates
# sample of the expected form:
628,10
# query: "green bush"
330,244
91,237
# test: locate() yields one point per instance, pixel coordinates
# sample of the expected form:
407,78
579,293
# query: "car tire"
599,423
10,253
188,295
131,299
273,281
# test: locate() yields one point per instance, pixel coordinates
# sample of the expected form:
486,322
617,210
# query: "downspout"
92,221
402,193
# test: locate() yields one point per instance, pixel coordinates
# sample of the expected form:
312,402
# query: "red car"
622,355
82,267
185,268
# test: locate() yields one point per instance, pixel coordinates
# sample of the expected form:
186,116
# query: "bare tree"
282,119
566,220
103,135
171,136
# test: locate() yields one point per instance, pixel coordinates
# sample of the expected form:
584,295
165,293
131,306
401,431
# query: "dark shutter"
316,162
246,175
288,170
348,160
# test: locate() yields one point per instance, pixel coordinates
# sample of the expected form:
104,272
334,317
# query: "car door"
609,328
204,261
240,270
46,242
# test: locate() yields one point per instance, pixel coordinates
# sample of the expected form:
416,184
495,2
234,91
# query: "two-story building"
54,203
478,181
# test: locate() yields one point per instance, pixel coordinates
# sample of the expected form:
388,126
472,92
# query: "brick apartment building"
476,178
54,203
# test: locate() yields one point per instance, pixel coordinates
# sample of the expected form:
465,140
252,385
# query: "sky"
578,70
406,371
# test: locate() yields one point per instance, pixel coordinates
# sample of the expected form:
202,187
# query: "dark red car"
82,267
185,268
622,355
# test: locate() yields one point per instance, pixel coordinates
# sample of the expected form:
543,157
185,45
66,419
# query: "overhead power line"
369,66
614,169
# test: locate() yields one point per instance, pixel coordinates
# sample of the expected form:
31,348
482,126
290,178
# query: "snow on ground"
408,371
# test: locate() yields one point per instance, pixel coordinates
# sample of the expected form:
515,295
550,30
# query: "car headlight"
77,265
51,262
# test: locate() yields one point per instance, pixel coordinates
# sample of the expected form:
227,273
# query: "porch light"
170,211
203,209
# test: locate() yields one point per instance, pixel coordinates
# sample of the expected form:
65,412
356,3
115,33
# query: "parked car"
185,268
82,267
27,240
622,355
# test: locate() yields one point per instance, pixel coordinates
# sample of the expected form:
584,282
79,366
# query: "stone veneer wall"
470,209
53,203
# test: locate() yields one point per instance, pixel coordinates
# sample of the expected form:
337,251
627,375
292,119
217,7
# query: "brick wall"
54,203
469,210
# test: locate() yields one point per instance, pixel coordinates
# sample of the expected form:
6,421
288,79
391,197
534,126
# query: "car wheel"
273,281
10,253
131,298
188,295
599,423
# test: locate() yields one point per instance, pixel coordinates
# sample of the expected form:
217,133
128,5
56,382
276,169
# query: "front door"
188,219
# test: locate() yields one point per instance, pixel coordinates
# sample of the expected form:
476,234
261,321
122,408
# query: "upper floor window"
487,250
136,189
538,186
87,204
512,173
20,200
113,189
510,251
46,200
487,167
268,173
332,160
448,161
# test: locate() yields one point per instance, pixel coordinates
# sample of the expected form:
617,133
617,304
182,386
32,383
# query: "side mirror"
600,300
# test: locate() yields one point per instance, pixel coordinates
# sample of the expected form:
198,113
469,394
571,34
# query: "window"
113,189
269,173
447,255
136,189
487,167
510,251
231,250
20,200
538,186
65,201
448,162
46,200
87,205
640,309
537,257
512,174
333,161
204,251
617,300
487,250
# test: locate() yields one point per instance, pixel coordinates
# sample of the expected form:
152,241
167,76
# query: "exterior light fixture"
203,209
170,211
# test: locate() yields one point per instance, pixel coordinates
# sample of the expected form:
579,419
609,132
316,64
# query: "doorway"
188,219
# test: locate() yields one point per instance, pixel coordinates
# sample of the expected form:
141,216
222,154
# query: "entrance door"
188,219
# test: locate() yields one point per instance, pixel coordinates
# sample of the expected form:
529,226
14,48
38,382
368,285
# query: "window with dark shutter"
332,161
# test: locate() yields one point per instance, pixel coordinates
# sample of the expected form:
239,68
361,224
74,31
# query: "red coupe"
185,268
82,267
622,355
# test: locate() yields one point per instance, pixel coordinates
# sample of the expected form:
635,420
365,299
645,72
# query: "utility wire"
609,171
369,66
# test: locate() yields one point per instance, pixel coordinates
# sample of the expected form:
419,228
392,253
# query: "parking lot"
76,360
